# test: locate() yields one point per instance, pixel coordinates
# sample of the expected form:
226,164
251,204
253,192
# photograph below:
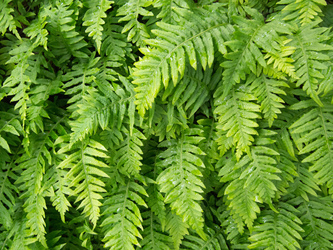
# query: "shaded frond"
316,215
64,41
215,240
167,13
277,230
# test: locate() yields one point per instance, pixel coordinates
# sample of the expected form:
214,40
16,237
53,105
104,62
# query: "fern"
166,124
123,217
93,18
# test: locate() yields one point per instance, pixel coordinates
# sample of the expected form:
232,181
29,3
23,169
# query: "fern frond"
85,174
79,80
8,191
267,91
167,13
180,180
166,57
193,90
242,201
36,30
153,236
305,11
7,21
130,11
278,230
122,216
64,41
114,46
247,42
215,240
93,18
237,116
310,58
128,155
315,130
316,216
111,109
176,227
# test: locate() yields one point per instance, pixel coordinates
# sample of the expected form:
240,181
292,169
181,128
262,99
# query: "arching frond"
7,20
167,55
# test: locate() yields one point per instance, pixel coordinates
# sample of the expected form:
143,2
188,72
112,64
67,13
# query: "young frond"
93,19
166,57
122,217
315,135
85,173
310,58
180,179
304,11
278,230
237,116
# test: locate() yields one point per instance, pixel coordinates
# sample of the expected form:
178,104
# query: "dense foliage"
166,124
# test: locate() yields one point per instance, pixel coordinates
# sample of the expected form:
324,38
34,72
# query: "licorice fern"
166,124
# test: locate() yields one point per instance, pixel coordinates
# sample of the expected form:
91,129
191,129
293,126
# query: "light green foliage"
166,124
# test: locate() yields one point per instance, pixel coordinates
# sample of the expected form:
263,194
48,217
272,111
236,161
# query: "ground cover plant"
166,124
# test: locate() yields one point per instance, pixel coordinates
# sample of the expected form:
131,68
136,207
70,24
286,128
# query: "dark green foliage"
166,124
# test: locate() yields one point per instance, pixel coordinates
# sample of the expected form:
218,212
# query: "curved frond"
166,57
7,21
